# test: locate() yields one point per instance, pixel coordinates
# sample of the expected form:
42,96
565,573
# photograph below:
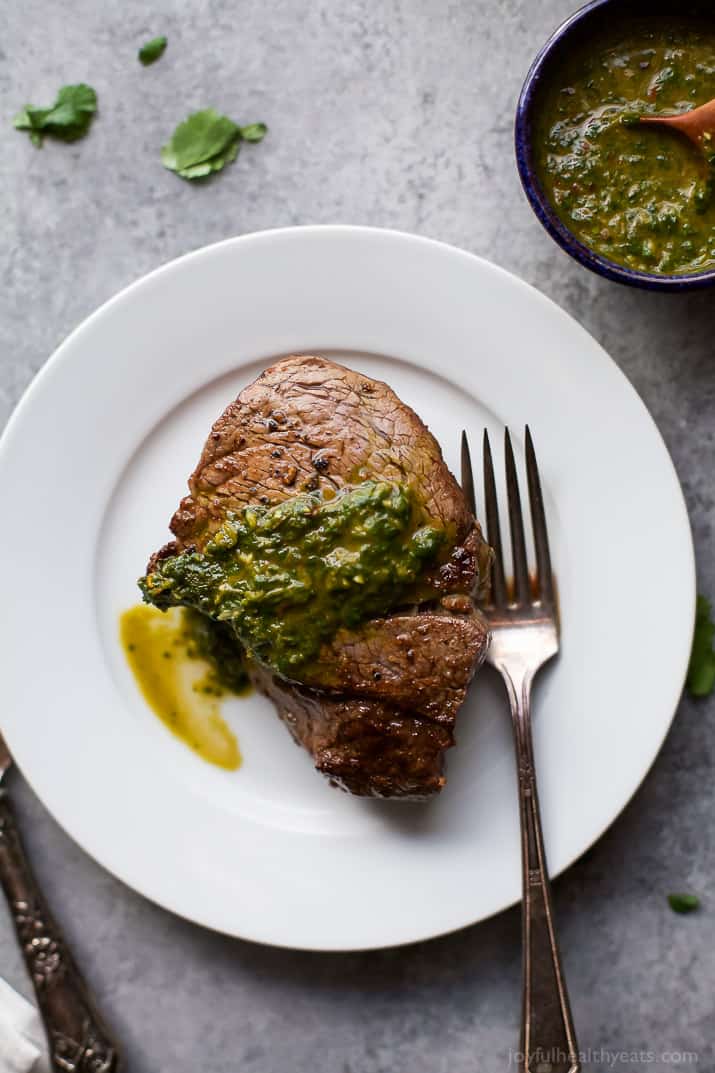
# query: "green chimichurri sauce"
642,197
288,577
217,644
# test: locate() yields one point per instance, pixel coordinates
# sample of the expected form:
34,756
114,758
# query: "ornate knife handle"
78,1039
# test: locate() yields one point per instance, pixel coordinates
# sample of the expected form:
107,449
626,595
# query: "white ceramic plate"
92,465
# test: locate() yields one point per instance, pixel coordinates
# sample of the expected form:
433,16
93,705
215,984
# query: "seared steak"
367,747
377,708
418,663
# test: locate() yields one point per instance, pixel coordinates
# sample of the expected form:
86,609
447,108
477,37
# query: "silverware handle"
77,1037
548,1039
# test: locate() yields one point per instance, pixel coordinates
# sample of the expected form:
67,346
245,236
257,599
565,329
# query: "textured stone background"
397,114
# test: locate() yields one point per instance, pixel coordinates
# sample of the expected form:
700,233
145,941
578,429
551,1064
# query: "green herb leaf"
68,118
254,132
200,171
701,671
22,120
203,143
152,50
683,903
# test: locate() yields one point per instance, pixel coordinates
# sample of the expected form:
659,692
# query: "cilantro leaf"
207,167
24,120
68,118
683,903
701,671
205,142
254,132
204,138
152,50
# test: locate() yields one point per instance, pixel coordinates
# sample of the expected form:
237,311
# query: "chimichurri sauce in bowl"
639,196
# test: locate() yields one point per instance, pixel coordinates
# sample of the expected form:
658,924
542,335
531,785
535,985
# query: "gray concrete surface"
398,114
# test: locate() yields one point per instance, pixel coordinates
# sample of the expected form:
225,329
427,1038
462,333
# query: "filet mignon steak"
377,708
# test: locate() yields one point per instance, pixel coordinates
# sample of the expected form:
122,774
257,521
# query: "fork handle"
548,1040
78,1039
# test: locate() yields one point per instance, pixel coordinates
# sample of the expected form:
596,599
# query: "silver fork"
78,1040
525,635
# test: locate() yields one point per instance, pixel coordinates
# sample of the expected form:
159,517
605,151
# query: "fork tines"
543,591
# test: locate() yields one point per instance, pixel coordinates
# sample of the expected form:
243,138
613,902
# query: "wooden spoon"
698,124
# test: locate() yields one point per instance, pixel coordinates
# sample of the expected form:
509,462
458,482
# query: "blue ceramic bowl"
581,26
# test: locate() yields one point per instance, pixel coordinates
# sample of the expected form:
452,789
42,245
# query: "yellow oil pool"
177,684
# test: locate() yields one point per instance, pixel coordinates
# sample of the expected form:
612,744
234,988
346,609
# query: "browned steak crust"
365,747
307,423
421,663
